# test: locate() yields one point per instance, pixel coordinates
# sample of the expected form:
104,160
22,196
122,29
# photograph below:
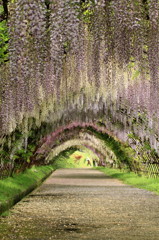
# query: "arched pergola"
88,66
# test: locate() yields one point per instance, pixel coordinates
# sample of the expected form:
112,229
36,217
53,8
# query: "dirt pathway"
83,204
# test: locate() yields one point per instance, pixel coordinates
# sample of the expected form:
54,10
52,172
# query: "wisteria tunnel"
79,73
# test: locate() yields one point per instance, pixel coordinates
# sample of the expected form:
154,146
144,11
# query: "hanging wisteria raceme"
27,30
64,34
153,54
87,61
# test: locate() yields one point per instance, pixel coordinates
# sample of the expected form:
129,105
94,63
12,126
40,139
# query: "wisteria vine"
82,61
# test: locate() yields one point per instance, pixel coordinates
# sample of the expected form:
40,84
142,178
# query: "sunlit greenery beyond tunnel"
79,74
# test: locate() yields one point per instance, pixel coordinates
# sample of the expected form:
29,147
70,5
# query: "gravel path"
83,204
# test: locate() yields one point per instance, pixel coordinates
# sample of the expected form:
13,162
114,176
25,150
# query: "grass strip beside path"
14,188
130,178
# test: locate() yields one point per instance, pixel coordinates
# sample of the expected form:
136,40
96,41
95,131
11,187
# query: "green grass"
150,184
14,187
5,214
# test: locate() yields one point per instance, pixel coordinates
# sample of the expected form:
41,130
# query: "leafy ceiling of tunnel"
94,62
